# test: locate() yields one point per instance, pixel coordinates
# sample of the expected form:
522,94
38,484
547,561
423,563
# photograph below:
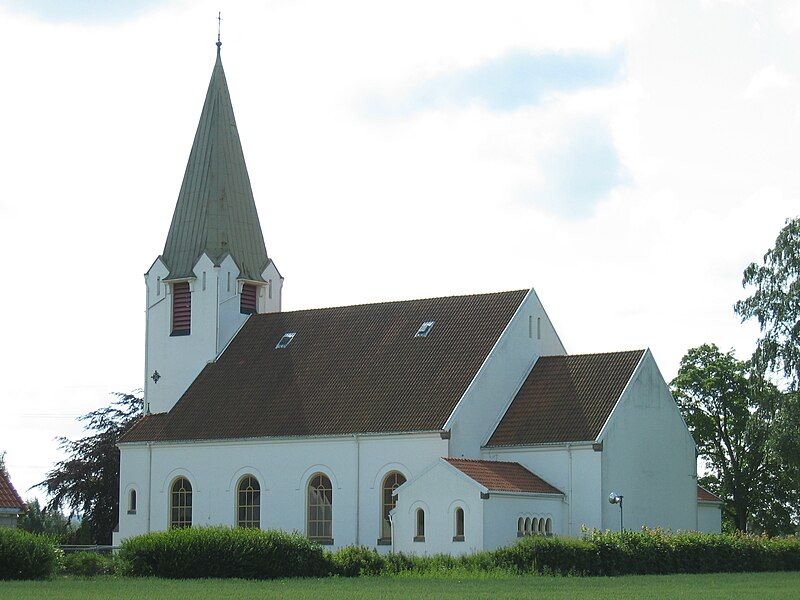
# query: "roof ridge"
387,302
483,460
581,354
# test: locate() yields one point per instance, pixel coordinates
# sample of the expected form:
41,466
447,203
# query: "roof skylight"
425,329
286,340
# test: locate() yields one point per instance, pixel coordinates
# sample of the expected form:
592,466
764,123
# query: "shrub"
222,552
89,564
25,555
352,561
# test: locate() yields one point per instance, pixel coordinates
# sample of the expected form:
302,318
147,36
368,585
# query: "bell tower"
214,271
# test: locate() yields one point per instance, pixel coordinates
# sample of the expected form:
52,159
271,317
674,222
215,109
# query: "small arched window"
320,509
527,525
459,534
180,503
548,526
132,502
520,526
541,526
390,483
419,530
248,503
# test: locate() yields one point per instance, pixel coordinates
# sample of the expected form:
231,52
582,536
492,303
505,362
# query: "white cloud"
767,79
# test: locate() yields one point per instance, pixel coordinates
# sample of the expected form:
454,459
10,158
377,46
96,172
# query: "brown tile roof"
9,498
498,476
351,369
566,398
703,495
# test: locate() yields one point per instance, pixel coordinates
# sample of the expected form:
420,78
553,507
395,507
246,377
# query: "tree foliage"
48,522
87,482
737,418
775,304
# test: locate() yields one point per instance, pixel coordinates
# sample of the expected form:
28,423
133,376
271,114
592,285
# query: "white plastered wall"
528,335
502,511
709,517
649,456
283,468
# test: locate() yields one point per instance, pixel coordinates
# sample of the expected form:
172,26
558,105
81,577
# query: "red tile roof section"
498,476
9,498
566,399
703,495
351,369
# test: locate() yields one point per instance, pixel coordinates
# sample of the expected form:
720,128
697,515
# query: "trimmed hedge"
26,555
90,564
254,554
222,552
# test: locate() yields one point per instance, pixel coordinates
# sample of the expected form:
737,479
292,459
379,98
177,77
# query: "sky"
625,159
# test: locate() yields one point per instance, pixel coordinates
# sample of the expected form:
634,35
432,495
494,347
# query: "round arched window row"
248,503
534,526
180,503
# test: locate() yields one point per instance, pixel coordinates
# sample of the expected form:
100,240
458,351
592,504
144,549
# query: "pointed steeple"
216,212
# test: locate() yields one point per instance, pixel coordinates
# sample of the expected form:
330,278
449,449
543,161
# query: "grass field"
741,585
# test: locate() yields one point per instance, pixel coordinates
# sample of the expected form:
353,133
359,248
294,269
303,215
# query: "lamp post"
615,498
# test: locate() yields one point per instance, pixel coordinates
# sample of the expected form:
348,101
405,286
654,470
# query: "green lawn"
742,585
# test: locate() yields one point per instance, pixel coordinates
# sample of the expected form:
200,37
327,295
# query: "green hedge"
26,555
254,554
222,552
91,564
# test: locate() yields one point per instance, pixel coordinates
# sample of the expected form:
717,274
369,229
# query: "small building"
11,505
709,511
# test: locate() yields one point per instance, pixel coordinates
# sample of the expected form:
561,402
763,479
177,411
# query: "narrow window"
158,286
181,309
548,526
204,281
229,281
538,328
320,509
520,527
459,536
180,504
248,503
248,301
530,326
420,528
535,525
390,483
132,502
269,289
541,526
527,525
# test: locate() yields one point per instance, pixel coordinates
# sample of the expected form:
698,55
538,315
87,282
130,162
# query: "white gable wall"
649,456
709,517
283,468
489,394
575,469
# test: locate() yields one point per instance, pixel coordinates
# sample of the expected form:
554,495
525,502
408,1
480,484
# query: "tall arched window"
248,503
520,526
459,525
541,526
320,509
548,526
390,483
132,502
419,530
180,503
527,525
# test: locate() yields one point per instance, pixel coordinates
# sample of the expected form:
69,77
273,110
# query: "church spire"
216,213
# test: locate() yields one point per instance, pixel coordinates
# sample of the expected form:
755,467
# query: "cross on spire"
219,28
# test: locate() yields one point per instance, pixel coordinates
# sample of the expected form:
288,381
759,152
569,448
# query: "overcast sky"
627,160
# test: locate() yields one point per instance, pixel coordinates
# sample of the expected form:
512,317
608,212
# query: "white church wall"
574,469
270,300
528,335
439,491
283,468
501,513
709,517
649,456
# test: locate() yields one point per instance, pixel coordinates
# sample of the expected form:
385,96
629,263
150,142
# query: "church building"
451,424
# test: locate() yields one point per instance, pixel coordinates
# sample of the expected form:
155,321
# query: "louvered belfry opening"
181,309
249,299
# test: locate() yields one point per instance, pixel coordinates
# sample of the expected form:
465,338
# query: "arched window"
132,502
527,525
520,526
248,503
419,535
180,503
541,526
390,483
459,535
548,526
320,509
